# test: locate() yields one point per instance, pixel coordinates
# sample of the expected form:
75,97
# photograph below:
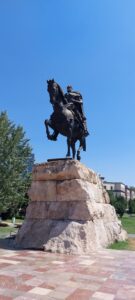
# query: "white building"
132,193
119,189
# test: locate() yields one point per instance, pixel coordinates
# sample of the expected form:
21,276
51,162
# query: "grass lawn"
119,245
7,228
128,223
127,245
7,231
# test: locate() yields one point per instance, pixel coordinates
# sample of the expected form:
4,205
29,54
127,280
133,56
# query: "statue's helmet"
69,88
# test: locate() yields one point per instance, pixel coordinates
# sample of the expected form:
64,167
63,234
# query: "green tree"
112,198
131,206
119,203
15,153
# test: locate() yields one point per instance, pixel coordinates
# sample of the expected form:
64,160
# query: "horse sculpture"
63,121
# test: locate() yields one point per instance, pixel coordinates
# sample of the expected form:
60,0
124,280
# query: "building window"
111,187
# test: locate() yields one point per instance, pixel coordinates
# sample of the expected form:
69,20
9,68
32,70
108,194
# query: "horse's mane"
61,93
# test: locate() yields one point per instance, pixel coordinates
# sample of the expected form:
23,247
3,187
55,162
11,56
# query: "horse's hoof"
53,138
78,157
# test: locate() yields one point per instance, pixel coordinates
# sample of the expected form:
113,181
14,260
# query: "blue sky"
89,44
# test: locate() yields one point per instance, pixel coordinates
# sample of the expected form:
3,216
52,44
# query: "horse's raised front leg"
52,137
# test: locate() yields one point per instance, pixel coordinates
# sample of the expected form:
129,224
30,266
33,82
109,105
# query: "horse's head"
56,93
53,90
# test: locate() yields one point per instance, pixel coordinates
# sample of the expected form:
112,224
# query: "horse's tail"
84,143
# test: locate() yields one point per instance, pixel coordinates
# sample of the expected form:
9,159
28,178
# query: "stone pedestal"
69,211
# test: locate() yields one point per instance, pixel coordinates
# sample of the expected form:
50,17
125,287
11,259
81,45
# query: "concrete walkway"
131,235
105,275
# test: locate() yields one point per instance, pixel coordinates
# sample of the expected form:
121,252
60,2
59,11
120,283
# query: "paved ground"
105,275
132,235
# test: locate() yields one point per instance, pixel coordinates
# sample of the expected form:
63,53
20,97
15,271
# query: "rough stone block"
43,191
69,211
62,170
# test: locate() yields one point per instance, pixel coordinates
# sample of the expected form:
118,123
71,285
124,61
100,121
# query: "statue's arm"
77,101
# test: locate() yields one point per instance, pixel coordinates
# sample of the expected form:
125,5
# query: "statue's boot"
82,123
86,133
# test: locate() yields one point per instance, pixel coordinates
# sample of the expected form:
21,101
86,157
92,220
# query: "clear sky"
89,44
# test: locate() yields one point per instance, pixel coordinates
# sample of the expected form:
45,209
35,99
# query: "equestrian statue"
67,118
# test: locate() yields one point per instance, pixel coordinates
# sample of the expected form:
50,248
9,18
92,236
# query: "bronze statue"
67,118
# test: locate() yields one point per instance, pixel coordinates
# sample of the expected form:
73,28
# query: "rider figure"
76,99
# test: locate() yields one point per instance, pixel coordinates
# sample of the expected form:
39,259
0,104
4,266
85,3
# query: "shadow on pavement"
7,243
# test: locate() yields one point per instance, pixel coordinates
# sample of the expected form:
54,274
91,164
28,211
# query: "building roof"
114,182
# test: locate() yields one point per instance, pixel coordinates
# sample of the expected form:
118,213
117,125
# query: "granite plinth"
69,211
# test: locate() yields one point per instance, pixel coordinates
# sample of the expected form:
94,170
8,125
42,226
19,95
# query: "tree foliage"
15,153
119,202
131,206
120,205
112,198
